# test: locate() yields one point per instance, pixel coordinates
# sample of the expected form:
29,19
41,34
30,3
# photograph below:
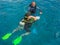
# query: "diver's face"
33,4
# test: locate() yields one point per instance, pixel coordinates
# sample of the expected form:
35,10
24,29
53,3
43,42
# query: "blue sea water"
45,31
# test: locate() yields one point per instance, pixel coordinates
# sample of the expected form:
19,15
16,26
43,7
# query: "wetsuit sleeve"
39,9
27,7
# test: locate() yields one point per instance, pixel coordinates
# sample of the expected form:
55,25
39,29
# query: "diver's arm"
27,8
39,10
35,17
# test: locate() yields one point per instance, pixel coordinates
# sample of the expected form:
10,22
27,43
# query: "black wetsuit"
27,27
32,9
28,24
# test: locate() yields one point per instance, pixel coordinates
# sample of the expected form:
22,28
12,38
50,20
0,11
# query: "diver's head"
27,14
33,4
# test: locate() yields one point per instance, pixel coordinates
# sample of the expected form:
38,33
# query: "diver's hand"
37,17
41,13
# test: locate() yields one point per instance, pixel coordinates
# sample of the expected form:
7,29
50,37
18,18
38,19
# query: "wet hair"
31,5
32,2
27,14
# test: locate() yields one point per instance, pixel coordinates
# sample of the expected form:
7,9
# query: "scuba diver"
26,23
33,7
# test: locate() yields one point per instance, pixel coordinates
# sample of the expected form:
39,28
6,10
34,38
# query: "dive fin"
17,40
5,37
